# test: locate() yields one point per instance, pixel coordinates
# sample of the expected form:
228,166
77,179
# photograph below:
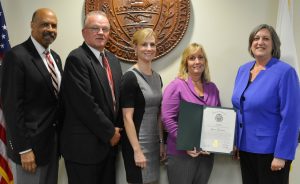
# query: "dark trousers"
184,169
101,173
256,169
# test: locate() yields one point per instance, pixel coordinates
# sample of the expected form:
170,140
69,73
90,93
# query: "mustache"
49,34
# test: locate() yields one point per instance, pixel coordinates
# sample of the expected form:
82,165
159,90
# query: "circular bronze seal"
168,18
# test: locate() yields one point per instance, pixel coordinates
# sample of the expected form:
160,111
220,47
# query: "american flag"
4,44
6,176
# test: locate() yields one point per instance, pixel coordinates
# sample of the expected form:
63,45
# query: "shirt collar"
39,47
96,52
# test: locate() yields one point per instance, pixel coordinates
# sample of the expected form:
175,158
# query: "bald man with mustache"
31,102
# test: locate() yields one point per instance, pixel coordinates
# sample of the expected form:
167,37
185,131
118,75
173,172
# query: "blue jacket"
268,110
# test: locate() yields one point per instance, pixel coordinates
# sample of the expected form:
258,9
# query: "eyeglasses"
97,29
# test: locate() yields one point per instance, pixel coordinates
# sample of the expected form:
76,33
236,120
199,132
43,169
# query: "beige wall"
221,26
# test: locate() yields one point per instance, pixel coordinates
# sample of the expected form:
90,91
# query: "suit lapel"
38,62
245,76
101,75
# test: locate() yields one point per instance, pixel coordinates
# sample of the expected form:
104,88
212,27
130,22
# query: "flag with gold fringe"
6,176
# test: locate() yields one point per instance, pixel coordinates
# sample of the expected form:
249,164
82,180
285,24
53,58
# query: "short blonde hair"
188,51
140,35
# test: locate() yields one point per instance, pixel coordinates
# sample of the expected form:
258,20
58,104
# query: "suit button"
241,125
11,146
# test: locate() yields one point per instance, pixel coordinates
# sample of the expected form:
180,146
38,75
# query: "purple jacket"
178,90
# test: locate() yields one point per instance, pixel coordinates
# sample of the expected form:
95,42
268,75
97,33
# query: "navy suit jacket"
90,118
30,106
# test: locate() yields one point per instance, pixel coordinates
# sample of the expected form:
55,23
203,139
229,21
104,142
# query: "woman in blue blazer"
266,96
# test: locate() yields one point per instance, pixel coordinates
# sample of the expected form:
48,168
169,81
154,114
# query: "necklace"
255,71
257,68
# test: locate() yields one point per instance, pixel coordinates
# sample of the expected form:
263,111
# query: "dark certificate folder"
189,126
209,128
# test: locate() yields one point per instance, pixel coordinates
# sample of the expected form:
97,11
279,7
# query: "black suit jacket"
89,116
30,106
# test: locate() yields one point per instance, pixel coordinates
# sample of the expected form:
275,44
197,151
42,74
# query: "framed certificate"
206,128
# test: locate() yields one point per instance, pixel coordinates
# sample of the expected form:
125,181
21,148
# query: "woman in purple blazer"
192,85
266,96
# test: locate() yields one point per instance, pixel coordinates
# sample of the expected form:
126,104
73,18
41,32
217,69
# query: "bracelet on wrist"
161,141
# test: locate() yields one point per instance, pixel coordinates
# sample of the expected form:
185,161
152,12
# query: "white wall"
223,28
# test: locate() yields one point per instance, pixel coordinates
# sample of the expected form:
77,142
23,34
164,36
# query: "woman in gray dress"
141,96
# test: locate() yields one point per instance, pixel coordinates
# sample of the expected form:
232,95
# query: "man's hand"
116,138
28,161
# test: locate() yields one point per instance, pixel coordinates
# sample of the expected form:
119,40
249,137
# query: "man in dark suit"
90,130
30,103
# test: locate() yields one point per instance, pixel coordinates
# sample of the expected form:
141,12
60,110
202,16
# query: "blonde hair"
188,51
140,35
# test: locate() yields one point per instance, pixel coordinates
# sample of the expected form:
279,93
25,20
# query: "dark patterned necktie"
109,77
52,72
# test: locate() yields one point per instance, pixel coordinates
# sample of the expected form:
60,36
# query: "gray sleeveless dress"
143,93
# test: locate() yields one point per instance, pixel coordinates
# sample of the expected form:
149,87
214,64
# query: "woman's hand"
162,152
140,159
236,153
202,152
193,153
277,164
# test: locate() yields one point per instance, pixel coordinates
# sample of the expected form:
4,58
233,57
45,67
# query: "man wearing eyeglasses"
90,90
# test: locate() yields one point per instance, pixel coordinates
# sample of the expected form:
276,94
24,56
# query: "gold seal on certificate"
208,128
